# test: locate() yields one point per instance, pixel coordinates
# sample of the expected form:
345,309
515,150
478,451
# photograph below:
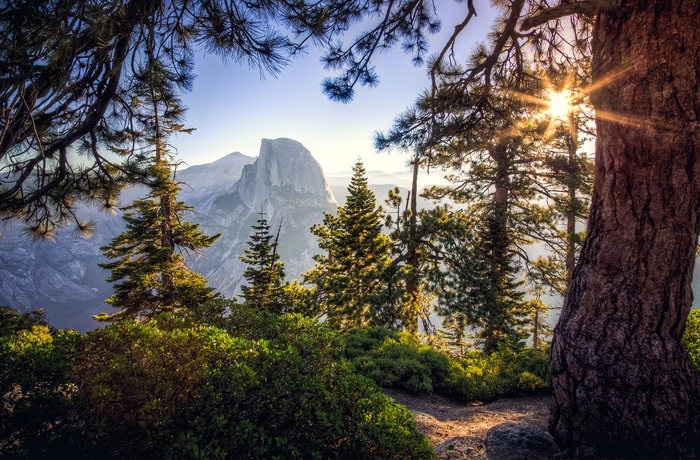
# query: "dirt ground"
441,419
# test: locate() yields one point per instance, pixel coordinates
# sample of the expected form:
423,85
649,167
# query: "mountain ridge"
63,276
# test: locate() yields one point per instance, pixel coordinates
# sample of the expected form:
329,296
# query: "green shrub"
12,321
172,388
398,360
510,371
691,337
36,386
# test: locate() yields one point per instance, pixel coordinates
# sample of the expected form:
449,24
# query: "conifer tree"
567,172
412,243
353,279
154,277
149,265
265,271
494,155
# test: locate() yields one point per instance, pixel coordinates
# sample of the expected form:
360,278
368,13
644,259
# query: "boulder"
462,448
519,441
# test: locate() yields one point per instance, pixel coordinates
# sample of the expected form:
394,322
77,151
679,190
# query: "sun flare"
559,104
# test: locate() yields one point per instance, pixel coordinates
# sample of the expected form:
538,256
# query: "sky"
233,109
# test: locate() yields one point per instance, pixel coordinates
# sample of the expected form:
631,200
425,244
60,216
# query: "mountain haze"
284,182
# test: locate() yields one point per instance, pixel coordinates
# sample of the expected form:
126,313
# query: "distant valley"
284,181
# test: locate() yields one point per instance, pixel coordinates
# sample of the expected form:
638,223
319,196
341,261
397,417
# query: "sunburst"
558,104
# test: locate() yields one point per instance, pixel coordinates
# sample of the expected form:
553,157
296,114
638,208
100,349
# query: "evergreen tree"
265,271
567,170
149,261
495,154
154,278
412,244
354,279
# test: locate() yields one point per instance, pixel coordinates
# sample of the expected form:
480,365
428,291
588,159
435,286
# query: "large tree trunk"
623,385
496,328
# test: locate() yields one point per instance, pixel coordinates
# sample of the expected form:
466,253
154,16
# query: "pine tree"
265,271
149,261
494,158
567,169
354,278
412,247
154,278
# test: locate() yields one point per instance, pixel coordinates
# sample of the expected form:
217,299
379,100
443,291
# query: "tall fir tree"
567,169
153,277
354,280
494,154
413,248
265,271
150,268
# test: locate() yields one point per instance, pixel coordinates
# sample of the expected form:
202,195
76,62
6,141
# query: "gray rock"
519,441
283,164
462,448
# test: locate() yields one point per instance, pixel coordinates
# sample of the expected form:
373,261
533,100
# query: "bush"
397,360
400,361
12,321
173,388
36,385
510,371
279,397
691,337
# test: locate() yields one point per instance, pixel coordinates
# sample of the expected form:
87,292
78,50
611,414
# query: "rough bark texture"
496,327
623,385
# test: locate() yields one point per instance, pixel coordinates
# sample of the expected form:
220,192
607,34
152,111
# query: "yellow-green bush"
691,337
398,360
37,385
176,388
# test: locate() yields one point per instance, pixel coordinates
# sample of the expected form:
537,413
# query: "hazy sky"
232,109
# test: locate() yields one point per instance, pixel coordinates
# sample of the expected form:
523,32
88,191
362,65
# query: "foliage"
12,321
354,280
265,272
70,76
37,386
691,337
280,398
300,299
399,360
173,388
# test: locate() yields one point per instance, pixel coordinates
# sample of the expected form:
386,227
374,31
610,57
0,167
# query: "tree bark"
623,385
495,328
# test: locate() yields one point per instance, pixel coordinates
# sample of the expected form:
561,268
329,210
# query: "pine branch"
585,7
